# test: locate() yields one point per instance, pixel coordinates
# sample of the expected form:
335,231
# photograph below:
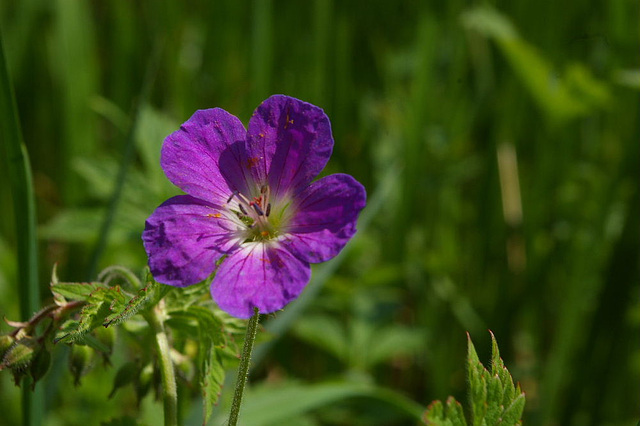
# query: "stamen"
243,198
242,209
268,210
258,209
233,194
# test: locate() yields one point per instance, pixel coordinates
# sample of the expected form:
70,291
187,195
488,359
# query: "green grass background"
498,142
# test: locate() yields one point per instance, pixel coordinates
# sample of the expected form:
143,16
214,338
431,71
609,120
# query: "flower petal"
184,238
325,218
258,275
289,143
206,157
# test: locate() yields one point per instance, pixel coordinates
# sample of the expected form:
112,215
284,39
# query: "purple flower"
250,198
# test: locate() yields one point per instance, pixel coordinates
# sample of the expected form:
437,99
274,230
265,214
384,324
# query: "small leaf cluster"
89,316
494,399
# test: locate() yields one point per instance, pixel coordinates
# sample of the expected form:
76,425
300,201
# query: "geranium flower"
250,198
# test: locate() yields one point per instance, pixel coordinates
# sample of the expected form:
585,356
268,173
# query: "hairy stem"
243,369
169,389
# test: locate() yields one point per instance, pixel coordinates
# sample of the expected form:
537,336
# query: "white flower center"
256,215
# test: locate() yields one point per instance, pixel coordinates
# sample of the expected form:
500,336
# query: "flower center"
255,215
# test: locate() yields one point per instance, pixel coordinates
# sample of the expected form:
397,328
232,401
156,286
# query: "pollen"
216,215
252,162
264,234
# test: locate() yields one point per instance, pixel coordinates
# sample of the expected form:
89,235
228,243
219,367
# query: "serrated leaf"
492,391
494,400
455,413
439,415
99,306
497,365
75,291
210,365
146,296
513,412
434,416
210,325
477,383
211,378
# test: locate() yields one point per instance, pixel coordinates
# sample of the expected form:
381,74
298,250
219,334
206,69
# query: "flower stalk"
243,369
167,373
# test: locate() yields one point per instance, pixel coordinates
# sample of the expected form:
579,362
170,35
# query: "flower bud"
20,354
79,361
6,341
40,365
107,337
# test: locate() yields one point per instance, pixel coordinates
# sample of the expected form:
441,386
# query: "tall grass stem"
127,157
24,207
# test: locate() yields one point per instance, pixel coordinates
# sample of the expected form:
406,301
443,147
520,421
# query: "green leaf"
478,390
79,362
294,399
324,332
100,304
513,412
40,365
211,377
72,225
210,335
438,415
125,375
147,296
495,401
213,340
561,97
75,291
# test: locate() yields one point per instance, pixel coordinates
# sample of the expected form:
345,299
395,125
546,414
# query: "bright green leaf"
75,291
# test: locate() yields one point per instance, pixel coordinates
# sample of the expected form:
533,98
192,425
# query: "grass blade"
20,179
127,158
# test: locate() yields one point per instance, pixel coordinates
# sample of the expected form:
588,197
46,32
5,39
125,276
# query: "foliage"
84,315
498,146
493,397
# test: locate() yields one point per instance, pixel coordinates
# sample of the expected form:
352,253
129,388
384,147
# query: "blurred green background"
498,142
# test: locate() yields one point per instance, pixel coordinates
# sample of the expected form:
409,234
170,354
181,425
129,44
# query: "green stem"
169,389
243,369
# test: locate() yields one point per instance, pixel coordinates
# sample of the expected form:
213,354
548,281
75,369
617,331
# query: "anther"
233,194
268,212
263,189
242,209
258,210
